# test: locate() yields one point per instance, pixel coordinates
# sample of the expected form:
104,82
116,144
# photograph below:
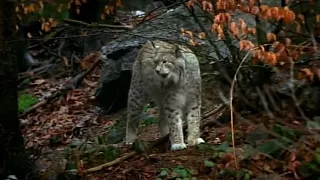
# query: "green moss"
25,101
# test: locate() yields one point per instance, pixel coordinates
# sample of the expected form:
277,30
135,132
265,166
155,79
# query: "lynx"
169,75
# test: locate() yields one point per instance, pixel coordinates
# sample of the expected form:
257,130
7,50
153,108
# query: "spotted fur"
169,74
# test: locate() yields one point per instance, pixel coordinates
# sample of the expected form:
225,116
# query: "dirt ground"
51,127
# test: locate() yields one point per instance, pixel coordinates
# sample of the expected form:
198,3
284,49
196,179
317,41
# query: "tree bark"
13,157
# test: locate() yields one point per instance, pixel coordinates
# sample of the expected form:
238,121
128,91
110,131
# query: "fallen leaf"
38,82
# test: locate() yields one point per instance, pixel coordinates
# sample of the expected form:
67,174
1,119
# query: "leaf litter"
54,126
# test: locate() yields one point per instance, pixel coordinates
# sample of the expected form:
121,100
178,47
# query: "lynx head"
169,62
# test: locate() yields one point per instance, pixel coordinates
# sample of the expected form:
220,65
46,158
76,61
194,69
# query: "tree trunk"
13,157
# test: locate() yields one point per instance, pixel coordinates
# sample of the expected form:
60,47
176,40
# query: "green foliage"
25,101
286,132
164,172
310,168
149,120
177,173
57,10
114,133
237,174
91,154
209,163
271,147
51,11
221,148
181,171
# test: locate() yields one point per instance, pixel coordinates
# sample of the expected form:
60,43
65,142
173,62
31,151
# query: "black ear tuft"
177,51
154,47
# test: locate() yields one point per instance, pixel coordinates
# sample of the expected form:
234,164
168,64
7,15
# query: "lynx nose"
164,75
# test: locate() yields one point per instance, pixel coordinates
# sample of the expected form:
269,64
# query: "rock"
114,82
115,78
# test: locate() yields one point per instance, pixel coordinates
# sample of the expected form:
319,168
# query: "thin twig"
154,144
231,107
68,86
212,112
111,163
96,25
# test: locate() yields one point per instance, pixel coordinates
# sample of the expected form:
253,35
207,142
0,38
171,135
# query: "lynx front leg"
173,111
176,129
193,120
136,102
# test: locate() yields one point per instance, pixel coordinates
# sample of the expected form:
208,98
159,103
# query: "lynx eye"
164,61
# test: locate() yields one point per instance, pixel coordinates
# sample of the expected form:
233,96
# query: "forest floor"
70,135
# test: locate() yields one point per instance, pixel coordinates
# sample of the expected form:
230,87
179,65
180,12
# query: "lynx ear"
177,51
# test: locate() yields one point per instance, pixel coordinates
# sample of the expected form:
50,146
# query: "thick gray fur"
169,74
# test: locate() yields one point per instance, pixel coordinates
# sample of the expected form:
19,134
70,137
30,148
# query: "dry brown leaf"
29,35
189,33
287,41
65,60
192,42
102,16
308,73
201,35
39,81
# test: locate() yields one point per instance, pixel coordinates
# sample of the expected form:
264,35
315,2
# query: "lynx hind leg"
136,102
163,123
193,120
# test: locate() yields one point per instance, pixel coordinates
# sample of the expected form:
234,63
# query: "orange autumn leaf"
278,47
207,6
270,58
255,10
246,45
308,73
190,4
251,31
222,5
234,28
318,18
271,37
288,15
119,3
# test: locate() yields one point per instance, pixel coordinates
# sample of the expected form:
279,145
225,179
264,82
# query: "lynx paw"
196,141
176,147
130,140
